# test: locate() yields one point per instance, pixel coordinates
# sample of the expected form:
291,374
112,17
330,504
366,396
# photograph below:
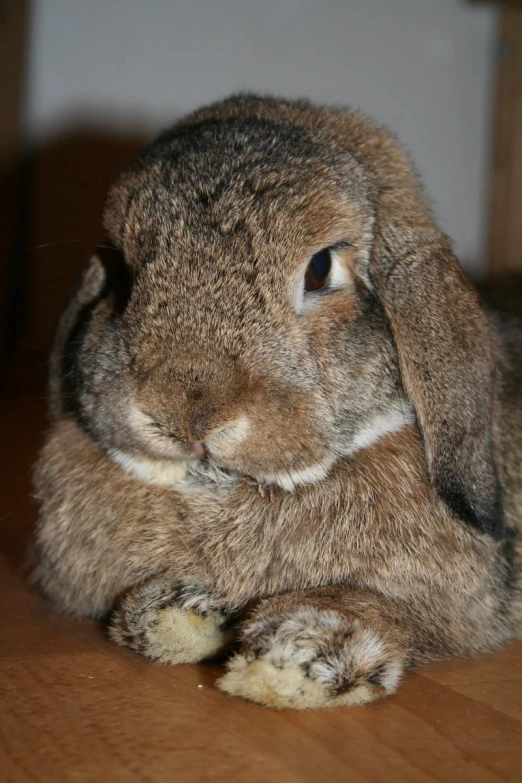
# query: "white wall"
422,67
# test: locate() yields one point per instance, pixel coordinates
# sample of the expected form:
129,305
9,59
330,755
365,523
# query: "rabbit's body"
360,510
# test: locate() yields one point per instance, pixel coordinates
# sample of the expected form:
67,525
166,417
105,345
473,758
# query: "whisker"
27,345
389,367
71,242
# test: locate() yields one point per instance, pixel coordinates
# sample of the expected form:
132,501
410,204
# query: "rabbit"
284,429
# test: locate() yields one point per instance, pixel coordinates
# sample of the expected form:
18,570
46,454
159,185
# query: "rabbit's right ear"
71,323
105,275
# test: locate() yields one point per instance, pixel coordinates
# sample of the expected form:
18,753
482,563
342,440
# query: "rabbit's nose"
199,450
199,425
195,430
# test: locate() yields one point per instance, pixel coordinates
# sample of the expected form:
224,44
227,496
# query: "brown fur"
342,553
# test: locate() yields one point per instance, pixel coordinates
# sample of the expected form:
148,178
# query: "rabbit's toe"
171,623
312,658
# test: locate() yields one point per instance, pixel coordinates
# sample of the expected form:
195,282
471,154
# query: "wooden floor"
77,708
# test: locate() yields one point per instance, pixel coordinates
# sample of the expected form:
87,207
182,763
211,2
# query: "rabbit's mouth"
205,472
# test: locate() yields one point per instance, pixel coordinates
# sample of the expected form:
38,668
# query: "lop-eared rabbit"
284,428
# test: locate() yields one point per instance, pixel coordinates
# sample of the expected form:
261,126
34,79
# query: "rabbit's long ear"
105,274
92,281
441,331
445,354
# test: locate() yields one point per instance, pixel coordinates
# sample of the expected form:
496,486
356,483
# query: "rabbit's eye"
329,270
318,271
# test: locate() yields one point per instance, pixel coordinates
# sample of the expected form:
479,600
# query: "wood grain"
77,708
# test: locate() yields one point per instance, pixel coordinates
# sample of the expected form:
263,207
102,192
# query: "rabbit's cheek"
156,472
272,458
226,442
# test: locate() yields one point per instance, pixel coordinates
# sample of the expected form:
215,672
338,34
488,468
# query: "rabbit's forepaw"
172,622
312,658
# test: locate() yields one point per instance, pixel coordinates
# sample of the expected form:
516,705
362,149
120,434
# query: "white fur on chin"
183,474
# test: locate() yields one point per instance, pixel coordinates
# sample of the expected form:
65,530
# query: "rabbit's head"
279,298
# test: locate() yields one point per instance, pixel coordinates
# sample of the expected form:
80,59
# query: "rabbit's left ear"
445,351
